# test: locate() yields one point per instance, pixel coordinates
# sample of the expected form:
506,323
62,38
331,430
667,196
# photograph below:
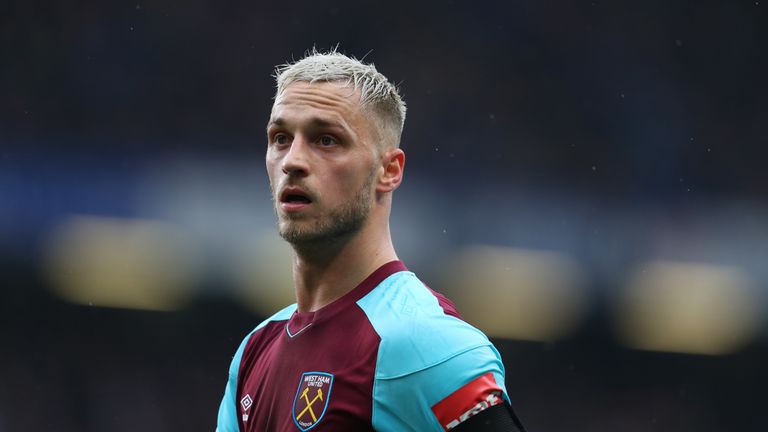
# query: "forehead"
332,99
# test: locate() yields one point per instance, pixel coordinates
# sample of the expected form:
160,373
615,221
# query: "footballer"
367,345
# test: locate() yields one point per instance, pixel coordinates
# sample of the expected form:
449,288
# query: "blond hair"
377,94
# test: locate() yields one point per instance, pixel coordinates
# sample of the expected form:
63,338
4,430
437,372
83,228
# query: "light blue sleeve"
424,354
227,421
405,403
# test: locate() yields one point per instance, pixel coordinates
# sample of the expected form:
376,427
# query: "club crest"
311,399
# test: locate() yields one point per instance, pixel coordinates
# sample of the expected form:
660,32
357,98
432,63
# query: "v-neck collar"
301,321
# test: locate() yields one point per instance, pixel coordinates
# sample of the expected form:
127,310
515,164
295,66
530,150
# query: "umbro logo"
246,402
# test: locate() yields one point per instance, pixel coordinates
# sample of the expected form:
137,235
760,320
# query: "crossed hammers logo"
319,395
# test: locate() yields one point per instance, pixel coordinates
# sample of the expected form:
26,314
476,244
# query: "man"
367,346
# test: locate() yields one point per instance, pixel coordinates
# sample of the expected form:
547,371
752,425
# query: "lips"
294,198
294,195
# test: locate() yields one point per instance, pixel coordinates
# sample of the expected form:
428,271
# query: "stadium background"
586,179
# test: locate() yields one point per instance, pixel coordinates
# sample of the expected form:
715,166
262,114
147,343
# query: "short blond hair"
377,94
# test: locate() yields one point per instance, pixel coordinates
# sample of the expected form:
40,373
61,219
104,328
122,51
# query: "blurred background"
586,179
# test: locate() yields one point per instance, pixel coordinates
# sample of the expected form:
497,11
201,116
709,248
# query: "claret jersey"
390,355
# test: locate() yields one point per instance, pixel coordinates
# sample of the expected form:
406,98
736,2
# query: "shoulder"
435,397
227,417
431,366
280,316
418,327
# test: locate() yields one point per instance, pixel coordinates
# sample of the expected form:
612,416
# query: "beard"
331,226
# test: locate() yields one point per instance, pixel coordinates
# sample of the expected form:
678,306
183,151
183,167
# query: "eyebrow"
314,121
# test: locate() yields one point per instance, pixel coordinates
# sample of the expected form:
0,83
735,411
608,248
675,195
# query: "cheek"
272,163
355,179
353,174
271,174
337,184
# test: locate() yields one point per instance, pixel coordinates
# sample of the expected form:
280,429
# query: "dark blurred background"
586,179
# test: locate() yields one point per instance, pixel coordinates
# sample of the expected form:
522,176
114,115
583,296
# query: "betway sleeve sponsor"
472,398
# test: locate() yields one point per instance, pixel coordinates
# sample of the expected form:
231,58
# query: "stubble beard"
332,226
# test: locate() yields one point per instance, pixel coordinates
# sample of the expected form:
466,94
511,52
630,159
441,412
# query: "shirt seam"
435,363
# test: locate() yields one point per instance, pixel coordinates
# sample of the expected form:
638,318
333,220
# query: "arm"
445,396
496,418
227,420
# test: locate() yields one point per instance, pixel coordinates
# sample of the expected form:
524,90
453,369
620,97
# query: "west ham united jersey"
390,355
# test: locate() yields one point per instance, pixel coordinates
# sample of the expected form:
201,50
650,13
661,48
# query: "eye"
327,140
280,138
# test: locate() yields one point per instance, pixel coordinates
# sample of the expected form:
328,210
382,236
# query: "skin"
321,141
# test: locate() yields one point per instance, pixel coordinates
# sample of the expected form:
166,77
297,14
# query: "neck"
323,273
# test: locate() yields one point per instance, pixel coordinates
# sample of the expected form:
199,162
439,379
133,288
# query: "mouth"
294,199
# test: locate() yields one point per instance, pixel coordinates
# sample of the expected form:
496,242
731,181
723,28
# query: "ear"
391,170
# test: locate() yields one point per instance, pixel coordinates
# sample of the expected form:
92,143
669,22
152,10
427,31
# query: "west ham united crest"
311,399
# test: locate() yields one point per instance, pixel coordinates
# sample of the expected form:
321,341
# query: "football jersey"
390,355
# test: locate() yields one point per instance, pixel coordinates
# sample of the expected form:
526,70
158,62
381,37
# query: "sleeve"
440,397
227,420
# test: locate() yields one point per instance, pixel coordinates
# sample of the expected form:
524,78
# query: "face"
320,160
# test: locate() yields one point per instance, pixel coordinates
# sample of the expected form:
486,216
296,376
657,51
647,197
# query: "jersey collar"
301,321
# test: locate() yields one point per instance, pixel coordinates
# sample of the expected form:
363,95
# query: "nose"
295,161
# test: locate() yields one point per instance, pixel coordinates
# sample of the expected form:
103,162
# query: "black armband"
494,419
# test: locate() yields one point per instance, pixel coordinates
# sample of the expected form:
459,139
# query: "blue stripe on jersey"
227,419
424,354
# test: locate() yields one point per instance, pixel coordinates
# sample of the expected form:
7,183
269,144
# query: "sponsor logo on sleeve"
469,400
311,400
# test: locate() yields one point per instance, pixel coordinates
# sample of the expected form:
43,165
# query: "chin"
294,231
